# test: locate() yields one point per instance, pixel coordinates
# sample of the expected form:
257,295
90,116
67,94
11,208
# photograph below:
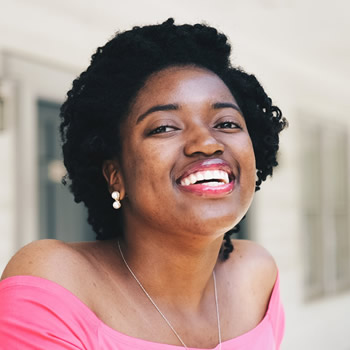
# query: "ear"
112,173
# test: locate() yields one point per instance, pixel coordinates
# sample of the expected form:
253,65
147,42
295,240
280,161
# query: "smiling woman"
162,128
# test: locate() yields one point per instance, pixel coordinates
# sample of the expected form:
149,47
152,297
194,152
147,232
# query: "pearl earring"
116,195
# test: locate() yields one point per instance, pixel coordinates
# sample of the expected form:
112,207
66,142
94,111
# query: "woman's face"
187,162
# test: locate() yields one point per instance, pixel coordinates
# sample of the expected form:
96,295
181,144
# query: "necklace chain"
161,313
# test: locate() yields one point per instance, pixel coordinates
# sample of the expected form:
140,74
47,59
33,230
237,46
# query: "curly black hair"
102,95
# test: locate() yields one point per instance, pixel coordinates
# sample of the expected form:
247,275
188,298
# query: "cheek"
246,159
250,175
145,169
250,161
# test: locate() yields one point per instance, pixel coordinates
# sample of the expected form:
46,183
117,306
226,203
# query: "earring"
116,195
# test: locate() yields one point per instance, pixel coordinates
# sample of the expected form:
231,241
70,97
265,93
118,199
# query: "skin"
171,237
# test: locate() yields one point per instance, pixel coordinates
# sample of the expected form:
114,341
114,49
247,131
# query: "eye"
162,129
228,125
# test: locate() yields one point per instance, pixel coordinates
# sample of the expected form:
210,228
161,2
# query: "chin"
215,226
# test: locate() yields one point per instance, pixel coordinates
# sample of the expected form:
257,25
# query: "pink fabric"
36,313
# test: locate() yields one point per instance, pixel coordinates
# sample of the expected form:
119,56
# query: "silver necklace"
160,312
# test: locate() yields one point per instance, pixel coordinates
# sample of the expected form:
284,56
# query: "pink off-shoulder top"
36,313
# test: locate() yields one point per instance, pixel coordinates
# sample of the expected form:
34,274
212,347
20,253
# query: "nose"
200,140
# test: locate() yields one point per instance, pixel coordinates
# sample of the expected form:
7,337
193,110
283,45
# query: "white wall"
298,49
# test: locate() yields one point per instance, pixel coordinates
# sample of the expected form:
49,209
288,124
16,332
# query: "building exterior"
299,50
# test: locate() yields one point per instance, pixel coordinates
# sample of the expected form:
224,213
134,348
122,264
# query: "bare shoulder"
54,260
254,252
249,277
253,263
35,259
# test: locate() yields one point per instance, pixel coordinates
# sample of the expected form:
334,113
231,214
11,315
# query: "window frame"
33,80
324,280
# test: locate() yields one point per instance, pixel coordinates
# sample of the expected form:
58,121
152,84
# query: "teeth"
200,177
193,178
226,178
218,176
208,175
213,184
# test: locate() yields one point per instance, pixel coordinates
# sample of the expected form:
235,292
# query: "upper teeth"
206,175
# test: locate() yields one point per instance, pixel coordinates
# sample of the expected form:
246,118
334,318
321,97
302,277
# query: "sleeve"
277,315
38,314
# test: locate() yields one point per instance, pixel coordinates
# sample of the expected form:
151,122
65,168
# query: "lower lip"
209,191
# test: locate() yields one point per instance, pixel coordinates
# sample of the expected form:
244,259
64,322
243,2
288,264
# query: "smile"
209,178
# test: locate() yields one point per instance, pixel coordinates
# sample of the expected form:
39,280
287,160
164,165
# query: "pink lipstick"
209,178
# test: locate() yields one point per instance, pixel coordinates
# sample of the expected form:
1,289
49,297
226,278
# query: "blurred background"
298,49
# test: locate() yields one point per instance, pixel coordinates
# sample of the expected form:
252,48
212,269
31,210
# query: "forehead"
181,85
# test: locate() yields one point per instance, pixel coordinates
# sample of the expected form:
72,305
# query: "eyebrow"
219,105
157,108
175,107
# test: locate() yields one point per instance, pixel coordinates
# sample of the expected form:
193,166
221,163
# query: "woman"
165,143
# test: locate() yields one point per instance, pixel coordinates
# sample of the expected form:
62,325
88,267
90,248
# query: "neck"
175,269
